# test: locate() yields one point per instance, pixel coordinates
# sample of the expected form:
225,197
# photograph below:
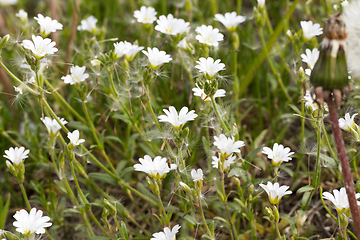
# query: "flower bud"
185,187
111,208
276,214
4,41
270,214
251,189
235,40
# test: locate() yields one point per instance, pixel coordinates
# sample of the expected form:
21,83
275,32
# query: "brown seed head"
335,28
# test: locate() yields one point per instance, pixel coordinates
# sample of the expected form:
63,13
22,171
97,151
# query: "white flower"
22,15
29,223
197,175
227,146
209,67
308,72
77,75
95,62
345,3
8,2
167,234
275,192
171,26
88,24
340,199
156,57
74,138
199,92
145,15
309,101
278,154
156,169
227,163
126,48
261,3
230,20
52,125
175,119
310,30
47,25
40,47
16,155
310,57
348,123
183,44
351,16
208,35
18,89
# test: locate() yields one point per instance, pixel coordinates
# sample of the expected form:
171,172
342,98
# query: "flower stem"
345,167
151,108
233,230
277,230
218,115
203,218
25,196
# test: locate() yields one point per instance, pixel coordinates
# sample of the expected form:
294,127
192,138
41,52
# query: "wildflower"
88,24
183,44
225,165
52,125
125,48
40,47
18,89
95,62
261,3
77,75
227,146
345,3
8,2
197,175
340,199
348,123
309,102
74,138
145,15
175,119
16,155
157,168
310,30
279,154
199,92
22,15
350,17
310,57
167,234
275,192
30,223
171,26
156,57
47,25
208,35
230,20
209,67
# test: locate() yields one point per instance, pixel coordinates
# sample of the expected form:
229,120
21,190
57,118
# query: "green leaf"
4,211
305,189
103,177
220,219
123,231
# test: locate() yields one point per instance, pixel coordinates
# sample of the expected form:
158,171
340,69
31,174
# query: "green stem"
277,230
25,196
149,200
151,108
233,230
204,220
218,115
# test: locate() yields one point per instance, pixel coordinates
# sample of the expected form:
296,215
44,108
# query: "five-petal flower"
208,35
145,15
157,168
167,234
348,123
310,57
40,47
156,57
209,67
16,155
74,138
88,24
278,154
275,192
47,25
30,223
310,30
52,125
340,199
175,119
230,20
227,146
77,75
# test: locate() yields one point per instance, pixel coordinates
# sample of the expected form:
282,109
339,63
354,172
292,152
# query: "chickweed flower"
197,175
209,67
230,20
208,35
40,47
167,234
22,15
171,26
52,125
275,192
145,15
77,75
311,105
175,119
261,3
8,2
74,138
278,154
310,30
340,199
156,57
157,168
227,146
47,25
348,123
310,57
88,24
16,156
30,223
126,48
199,92
223,166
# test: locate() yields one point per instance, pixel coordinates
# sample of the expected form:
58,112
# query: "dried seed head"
335,28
